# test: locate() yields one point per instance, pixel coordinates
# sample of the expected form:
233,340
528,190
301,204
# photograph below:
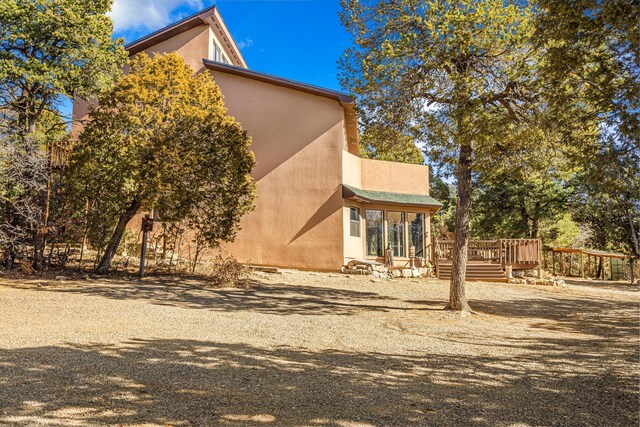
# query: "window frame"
383,231
357,222
424,240
402,247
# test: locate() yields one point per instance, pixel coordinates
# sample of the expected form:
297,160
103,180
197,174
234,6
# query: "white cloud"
243,44
149,14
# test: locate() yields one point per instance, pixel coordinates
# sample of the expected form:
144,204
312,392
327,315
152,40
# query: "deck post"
581,265
539,243
553,261
610,269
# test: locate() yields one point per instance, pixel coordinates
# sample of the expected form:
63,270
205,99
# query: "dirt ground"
316,350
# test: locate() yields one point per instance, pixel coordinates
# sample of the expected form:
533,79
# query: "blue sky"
297,39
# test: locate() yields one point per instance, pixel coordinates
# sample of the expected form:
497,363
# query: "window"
354,222
395,233
217,52
416,232
374,222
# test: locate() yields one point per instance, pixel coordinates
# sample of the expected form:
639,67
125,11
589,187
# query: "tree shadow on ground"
269,298
186,382
569,313
588,284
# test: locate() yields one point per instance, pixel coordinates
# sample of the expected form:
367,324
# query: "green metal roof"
349,192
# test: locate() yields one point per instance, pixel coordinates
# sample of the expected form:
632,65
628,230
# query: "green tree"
443,222
453,71
49,50
525,179
385,143
608,199
54,48
591,54
162,139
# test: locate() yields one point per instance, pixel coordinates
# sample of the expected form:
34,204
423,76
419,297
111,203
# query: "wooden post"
610,268
570,264
539,243
553,261
581,265
147,226
588,265
599,268
561,264
631,268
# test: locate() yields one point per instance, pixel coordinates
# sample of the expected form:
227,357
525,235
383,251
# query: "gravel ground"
317,350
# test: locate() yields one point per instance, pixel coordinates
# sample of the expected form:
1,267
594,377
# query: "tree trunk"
457,297
524,216
634,236
535,221
43,230
114,242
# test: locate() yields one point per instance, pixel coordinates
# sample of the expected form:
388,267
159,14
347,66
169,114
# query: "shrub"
228,272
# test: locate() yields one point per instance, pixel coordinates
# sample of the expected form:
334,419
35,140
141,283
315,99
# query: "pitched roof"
369,196
341,97
199,18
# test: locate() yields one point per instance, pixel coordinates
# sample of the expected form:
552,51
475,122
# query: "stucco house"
319,204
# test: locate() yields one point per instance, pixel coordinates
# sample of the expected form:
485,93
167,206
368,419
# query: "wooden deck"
488,260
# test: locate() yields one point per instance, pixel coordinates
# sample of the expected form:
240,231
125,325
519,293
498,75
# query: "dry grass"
315,349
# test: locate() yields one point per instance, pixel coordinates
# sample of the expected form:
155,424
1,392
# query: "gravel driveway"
316,350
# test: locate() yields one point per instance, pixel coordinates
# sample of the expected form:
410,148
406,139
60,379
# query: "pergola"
594,265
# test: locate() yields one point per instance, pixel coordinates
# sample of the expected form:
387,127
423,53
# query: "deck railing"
518,253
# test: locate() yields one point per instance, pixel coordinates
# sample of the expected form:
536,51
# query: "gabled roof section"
209,16
341,97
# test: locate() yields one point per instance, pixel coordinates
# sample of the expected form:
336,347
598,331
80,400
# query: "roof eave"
227,34
348,193
192,21
169,31
341,97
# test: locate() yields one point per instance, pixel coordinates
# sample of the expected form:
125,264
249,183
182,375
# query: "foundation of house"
379,270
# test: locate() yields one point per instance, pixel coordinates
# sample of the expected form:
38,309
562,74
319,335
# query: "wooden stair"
476,271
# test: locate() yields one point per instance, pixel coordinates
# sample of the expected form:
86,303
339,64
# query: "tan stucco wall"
394,177
351,170
379,175
297,141
193,45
